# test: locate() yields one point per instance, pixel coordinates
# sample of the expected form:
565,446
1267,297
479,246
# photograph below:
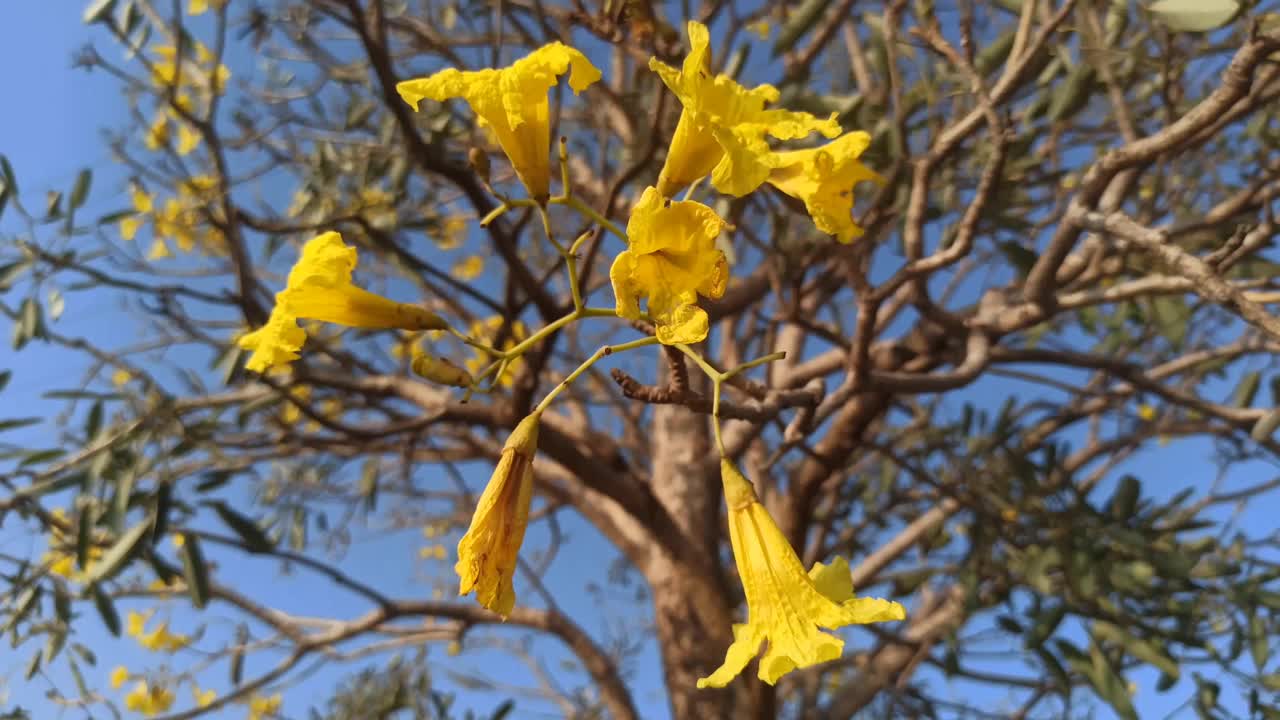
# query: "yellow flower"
159,250
785,606
119,676
469,268
453,231
121,377
149,700
487,553
320,288
202,697
723,125
164,69
63,564
263,707
291,413
671,259
512,102
1146,412
200,7
159,639
761,28
823,178
487,331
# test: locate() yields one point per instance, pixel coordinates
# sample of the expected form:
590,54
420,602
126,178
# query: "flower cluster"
672,261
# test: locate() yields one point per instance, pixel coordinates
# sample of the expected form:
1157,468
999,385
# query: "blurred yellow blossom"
200,7
671,259
159,639
261,707
469,268
149,699
320,288
761,28
202,697
453,232
121,377
512,102
1146,412
487,331
119,676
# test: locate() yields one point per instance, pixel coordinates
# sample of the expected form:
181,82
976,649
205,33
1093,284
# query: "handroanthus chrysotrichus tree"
734,361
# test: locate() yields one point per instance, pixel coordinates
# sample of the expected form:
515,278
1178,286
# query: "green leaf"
84,532
119,553
10,180
1247,390
93,421
1172,317
1110,686
5,376
503,710
98,11
1194,15
33,666
10,272
1045,623
369,484
195,571
80,191
1071,97
19,423
799,22
1144,650
237,654
106,609
255,540
1124,501
1259,641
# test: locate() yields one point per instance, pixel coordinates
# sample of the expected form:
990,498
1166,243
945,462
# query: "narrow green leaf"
1247,390
1259,641
33,666
195,571
1124,501
106,609
1266,426
93,421
19,423
80,191
119,553
1144,650
255,540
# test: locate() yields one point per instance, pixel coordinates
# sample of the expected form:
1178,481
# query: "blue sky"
56,132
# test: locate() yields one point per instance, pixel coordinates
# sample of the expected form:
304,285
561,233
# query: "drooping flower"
487,552
785,605
512,102
723,125
671,259
149,699
319,288
823,178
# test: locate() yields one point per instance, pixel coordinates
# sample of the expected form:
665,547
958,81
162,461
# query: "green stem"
586,365
590,213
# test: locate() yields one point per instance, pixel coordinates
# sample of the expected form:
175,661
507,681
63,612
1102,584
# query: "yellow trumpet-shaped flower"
823,178
149,699
512,102
319,288
785,605
440,370
487,553
671,259
723,125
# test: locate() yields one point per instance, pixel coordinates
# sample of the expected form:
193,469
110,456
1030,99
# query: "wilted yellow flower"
785,605
486,331
149,700
512,102
671,259
823,178
469,268
487,553
263,707
723,125
159,639
119,676
320,288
